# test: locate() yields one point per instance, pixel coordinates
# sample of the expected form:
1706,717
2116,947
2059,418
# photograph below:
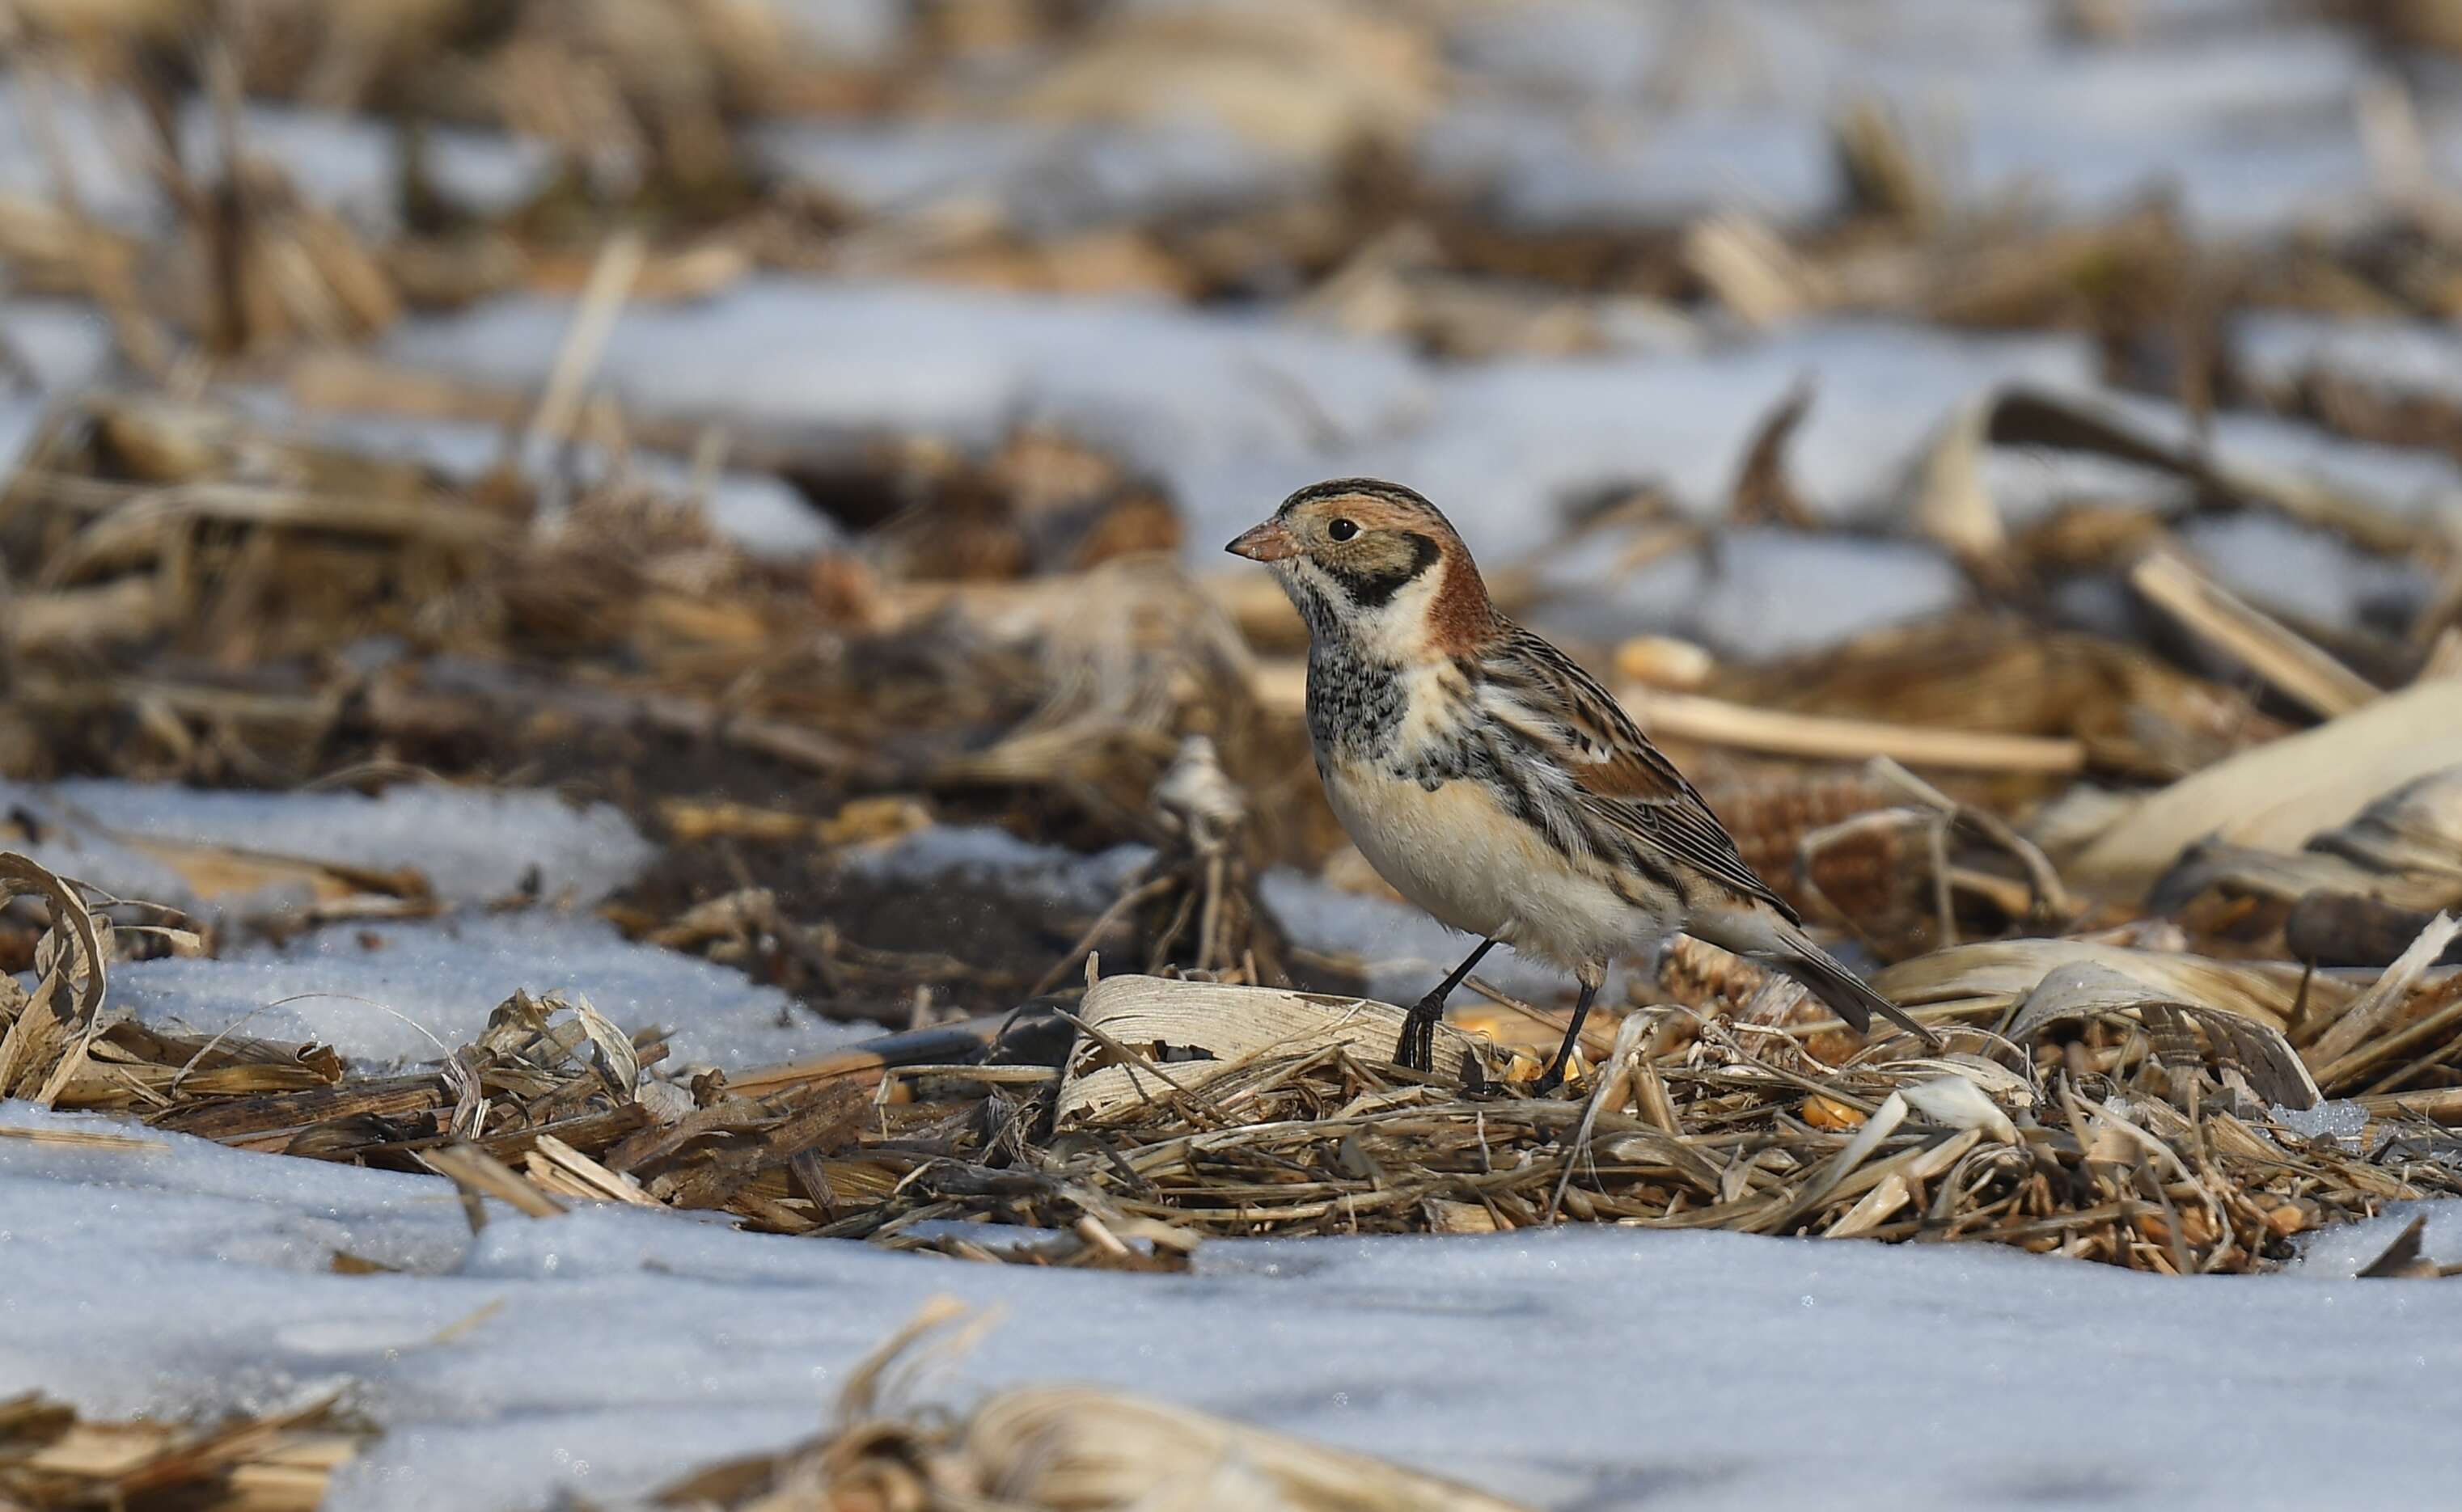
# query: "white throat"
1395,632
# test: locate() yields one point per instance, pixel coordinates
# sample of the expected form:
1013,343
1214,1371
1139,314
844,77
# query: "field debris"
51,1459
2134,1106
1049,1448
807,442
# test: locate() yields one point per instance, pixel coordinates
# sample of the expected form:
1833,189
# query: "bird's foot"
1417,1047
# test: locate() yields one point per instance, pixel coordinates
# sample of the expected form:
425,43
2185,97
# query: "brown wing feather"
1623,778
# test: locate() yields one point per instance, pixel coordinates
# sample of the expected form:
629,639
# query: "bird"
1496,785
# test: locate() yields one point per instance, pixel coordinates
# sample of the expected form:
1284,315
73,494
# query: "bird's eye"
1342,530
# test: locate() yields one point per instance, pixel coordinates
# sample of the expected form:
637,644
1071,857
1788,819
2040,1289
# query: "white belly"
1456,853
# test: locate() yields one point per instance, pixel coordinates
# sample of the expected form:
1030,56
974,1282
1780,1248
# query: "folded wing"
1619,778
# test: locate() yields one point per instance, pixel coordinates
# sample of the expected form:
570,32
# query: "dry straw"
1050,1449
51,1459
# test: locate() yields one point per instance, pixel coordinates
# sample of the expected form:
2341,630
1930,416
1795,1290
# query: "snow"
980,856
2336,1254
1595,50
2307,571
388,993
2403,482
1234,409
2419,485
471,844
1779,593
759,511
1507,440
1594,116
608,1351
19,420
2027,483
345,162
2253,133
49,348
2343,1119
2269,85
857,355
77,121
62,343
1755,594
1405,951
393,992
1542,169
352,163
1570,112
1043,178
1237,410
2395,358
852,30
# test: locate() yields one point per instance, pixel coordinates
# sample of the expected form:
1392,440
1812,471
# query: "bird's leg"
1555,1076
1416,1049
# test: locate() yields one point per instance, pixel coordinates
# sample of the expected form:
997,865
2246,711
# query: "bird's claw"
1553,1077
1417,1047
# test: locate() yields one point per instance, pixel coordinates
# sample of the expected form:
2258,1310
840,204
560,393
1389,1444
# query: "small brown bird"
1494,782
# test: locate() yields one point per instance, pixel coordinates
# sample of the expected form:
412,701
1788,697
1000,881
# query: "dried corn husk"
2235,1043
1992,977
2277,795
1056,1449
1151,1039
278,1461
2403,849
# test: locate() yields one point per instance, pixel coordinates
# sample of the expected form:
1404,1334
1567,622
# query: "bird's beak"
1269,542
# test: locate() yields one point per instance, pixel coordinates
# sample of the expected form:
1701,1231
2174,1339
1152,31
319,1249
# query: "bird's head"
1375,564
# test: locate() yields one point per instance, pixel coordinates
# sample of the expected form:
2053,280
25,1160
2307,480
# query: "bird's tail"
1849,996
1765,936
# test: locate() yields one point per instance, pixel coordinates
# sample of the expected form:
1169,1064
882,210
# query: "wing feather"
1619,778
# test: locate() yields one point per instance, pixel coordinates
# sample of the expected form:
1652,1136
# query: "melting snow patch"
402,993
1044,179
1777,592
2344,1121
1545,169
2338,1253
2315,574
1170,386
1505,444
349,164
470,844
1404,950
61,344
2397,358
759,511
855,31
1758,594
984,856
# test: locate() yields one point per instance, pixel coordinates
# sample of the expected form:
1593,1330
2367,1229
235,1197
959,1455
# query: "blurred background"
810,428
650,571
676,546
